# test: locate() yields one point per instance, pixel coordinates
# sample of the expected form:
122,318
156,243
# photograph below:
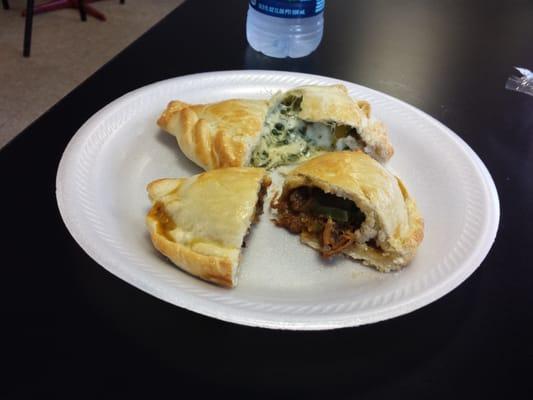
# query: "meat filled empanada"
200,223
347,203
289,128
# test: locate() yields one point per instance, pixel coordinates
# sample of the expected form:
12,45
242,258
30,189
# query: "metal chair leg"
5,4
28,28
83,13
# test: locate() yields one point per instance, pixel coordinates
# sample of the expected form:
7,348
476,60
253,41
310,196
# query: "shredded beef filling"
334,220
258,206
260,199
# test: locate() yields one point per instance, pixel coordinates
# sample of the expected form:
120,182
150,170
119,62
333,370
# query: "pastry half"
347,203
200,223
309,120
216,135
289,128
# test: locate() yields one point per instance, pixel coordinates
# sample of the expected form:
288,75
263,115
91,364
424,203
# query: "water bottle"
285,28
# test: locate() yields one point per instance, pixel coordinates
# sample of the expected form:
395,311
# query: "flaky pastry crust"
200,223
332,103
381,196
216,135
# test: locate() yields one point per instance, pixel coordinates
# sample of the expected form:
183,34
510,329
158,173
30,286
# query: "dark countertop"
70,329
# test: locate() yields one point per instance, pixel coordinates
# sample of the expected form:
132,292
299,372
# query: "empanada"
216,135
291,127
200,223
346,202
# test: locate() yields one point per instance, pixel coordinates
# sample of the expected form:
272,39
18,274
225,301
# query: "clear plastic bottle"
285,28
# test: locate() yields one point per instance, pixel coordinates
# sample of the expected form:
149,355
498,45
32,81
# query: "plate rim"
245,317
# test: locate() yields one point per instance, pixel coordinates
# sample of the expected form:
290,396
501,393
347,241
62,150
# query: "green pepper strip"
335,213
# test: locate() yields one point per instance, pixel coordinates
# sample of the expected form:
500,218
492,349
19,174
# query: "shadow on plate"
182,161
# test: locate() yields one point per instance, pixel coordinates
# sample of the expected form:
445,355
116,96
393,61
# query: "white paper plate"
100,191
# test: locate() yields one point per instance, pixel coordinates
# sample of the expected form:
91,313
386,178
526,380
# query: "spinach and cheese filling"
287,139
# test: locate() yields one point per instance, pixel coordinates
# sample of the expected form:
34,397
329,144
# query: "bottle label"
289,8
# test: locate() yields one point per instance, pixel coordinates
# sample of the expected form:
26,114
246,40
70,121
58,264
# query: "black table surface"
71,329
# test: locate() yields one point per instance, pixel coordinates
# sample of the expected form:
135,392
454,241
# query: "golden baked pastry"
216,135
346,202
289,128
200,223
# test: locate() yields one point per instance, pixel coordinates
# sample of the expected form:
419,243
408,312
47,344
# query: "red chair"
82,5
53,5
